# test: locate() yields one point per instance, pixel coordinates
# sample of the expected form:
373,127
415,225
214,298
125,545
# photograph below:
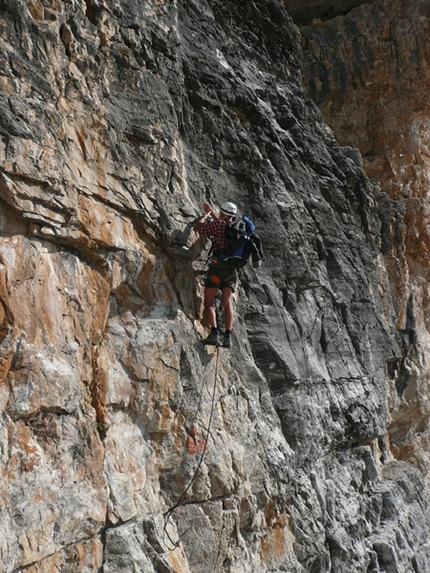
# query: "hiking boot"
212,339
227,341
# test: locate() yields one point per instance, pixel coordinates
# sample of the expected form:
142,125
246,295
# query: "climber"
220,274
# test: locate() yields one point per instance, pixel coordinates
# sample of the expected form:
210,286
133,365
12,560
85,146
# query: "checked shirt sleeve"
215,230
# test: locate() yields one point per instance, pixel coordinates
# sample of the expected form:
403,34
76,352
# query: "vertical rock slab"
125,444
52,456
369,73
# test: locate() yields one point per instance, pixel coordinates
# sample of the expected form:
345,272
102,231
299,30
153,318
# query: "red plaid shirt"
215,230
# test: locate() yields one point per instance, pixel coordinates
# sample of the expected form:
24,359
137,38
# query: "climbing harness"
169,512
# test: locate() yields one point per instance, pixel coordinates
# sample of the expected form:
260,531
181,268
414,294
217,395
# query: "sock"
228,332
214,329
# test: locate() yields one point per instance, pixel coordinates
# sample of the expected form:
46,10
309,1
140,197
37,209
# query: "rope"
170,511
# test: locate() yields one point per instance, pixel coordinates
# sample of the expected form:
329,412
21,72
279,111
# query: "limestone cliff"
117,119
369,72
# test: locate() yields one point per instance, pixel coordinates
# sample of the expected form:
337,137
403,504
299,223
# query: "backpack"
243,243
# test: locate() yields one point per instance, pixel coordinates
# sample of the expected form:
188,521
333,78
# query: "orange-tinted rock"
196,443
369,72
117,119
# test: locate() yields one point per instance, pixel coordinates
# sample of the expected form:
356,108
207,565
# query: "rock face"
369,73
125,444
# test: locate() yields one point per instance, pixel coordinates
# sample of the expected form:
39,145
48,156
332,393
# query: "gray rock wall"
117,120
369,73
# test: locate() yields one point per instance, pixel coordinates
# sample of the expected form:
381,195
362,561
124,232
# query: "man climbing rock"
220,274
